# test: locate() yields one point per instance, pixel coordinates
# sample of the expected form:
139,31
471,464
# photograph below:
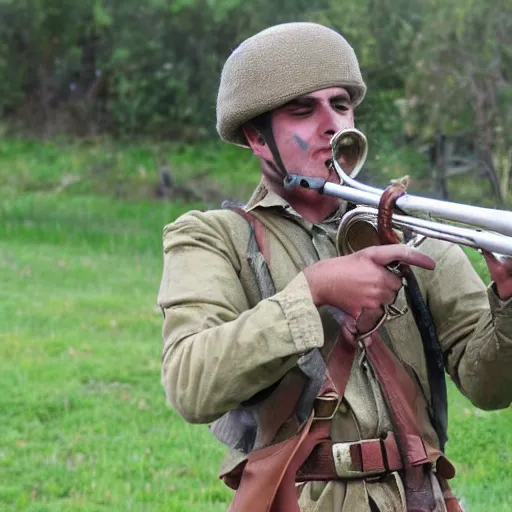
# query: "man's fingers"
496,266
489,258
392,282
386,254
368,319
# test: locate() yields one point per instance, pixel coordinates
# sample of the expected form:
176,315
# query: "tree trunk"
505,178
439,171
485,159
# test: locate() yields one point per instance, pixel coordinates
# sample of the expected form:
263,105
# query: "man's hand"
361,280
501,274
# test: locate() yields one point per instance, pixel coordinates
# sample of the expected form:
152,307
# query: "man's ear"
256,141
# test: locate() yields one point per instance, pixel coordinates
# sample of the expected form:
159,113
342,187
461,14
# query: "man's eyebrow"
301,101
343,96
306,100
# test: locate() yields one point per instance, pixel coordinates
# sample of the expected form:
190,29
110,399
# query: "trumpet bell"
349,150
358,230
356,233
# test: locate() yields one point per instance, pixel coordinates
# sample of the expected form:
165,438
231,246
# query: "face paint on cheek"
301,142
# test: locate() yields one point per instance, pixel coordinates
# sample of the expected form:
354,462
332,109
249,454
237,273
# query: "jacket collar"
263,198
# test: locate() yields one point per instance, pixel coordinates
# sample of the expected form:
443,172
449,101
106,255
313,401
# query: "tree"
461,82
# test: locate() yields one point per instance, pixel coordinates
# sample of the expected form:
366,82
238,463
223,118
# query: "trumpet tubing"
481,228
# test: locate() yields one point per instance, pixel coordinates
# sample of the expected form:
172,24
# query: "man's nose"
330,122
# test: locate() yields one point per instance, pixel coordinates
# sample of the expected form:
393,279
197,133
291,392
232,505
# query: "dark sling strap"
438,407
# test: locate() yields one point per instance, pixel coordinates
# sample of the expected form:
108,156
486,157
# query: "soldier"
268,330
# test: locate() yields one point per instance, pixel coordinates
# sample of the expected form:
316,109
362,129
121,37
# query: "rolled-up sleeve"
217,351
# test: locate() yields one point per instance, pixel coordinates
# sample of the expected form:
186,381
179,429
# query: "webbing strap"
267,481
259,231
311,364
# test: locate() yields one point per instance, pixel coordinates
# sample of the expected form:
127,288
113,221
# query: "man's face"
303,128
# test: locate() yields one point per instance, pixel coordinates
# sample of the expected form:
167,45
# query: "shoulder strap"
257,420
258,254
311,364
258,230
438,407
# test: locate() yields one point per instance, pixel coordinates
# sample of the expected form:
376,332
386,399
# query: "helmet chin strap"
264,126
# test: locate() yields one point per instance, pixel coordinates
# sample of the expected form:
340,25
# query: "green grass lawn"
85,425
84,422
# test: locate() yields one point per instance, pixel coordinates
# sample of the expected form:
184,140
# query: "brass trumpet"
480,228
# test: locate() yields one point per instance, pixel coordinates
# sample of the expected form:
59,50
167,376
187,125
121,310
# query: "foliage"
381,32
153,65
461,84
151,69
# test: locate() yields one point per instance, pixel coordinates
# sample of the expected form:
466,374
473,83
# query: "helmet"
279,64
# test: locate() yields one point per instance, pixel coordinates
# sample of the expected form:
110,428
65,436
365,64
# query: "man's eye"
300,112
341,107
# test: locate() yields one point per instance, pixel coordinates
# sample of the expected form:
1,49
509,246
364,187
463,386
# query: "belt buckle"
332,399
343,461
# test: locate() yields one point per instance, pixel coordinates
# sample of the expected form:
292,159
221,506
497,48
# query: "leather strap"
268,479
260,233
387,204
263,473
450,500
402,397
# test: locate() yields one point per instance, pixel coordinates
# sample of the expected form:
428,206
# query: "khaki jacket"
222,343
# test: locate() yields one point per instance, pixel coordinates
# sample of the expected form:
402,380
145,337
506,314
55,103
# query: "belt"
359,459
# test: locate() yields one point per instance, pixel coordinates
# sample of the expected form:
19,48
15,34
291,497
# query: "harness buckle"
325,407
344,462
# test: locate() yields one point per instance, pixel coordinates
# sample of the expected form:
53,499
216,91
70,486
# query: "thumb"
496,267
